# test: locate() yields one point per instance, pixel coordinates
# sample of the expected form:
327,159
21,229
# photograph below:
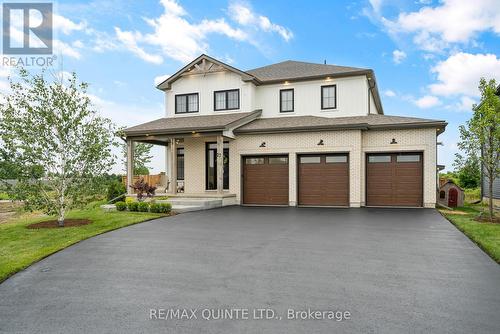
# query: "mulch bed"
55,224
486,219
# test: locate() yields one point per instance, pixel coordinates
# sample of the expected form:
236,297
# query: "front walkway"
395,271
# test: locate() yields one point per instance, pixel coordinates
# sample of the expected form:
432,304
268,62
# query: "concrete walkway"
393,270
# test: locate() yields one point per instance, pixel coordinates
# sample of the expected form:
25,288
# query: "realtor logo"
27,28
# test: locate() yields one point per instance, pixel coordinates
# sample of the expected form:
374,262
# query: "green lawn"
485,235
20,247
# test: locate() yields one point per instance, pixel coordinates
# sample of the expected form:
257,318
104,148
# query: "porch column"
220,164
173,167
130,165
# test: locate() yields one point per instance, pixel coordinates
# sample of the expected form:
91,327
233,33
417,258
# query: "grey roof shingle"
196,123
297,69
305,123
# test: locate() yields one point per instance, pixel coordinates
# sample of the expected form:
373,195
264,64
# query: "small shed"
450,194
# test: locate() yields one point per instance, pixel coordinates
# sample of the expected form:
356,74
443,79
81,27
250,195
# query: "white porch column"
173,167
130,165
220,164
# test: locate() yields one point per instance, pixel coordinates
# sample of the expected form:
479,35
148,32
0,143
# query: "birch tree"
481,135
52,126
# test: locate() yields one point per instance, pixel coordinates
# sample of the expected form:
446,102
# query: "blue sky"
427,55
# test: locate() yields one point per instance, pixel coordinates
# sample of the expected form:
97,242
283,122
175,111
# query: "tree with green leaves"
50,123
142,157
468,170
480,136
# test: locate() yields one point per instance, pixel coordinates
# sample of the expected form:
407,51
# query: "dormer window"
186,103
329,97
227,99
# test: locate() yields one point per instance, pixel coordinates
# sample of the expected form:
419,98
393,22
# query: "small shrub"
155,207
129,200
133,206
143,206
115,189
165,207
121,206
161,198
143,189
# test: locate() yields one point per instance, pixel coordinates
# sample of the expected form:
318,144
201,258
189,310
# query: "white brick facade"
355,142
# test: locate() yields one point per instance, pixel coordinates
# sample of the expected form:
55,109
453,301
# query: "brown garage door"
394,179
324,180
265,180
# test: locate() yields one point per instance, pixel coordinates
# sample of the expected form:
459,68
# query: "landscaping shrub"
143,206
121,206
129,200
155,207
133,206
143,189
115,189
165,207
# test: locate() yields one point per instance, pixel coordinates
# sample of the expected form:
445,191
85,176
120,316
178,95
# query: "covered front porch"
186,163
196,154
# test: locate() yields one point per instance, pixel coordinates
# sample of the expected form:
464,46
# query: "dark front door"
324,180
211,166
394,179
452,198
265,180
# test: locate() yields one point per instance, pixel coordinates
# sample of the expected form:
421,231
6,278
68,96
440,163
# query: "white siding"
352,95
205,85
352,98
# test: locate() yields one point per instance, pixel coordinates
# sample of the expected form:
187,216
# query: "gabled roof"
187,124
293,70
315,123
275,73
201,60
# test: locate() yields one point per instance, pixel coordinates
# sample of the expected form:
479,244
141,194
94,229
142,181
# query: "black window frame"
224,150
226,99
281,99
335,89
179,149
187,104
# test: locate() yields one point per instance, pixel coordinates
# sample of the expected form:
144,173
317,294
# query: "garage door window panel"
310,160
379,158
331,159
408,158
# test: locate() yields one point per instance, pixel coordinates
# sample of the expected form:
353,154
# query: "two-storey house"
291,133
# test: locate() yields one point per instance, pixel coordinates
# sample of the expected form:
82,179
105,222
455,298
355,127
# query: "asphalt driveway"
393,270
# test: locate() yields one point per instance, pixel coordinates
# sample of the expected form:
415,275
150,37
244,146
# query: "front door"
211,166
452,198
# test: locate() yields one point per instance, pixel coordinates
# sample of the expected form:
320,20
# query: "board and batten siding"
352,95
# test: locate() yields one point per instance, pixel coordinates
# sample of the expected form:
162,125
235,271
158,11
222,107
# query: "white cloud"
159,79
460,73
65,25
427,101
129,40
245,16
398,56
450,22
62,48
376,5
174,36
465,104
389,93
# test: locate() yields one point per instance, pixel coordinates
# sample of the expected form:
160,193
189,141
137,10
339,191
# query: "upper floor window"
186,103
286,100
227,99
329,97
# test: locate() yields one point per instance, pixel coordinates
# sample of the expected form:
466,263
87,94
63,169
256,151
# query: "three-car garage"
391,179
